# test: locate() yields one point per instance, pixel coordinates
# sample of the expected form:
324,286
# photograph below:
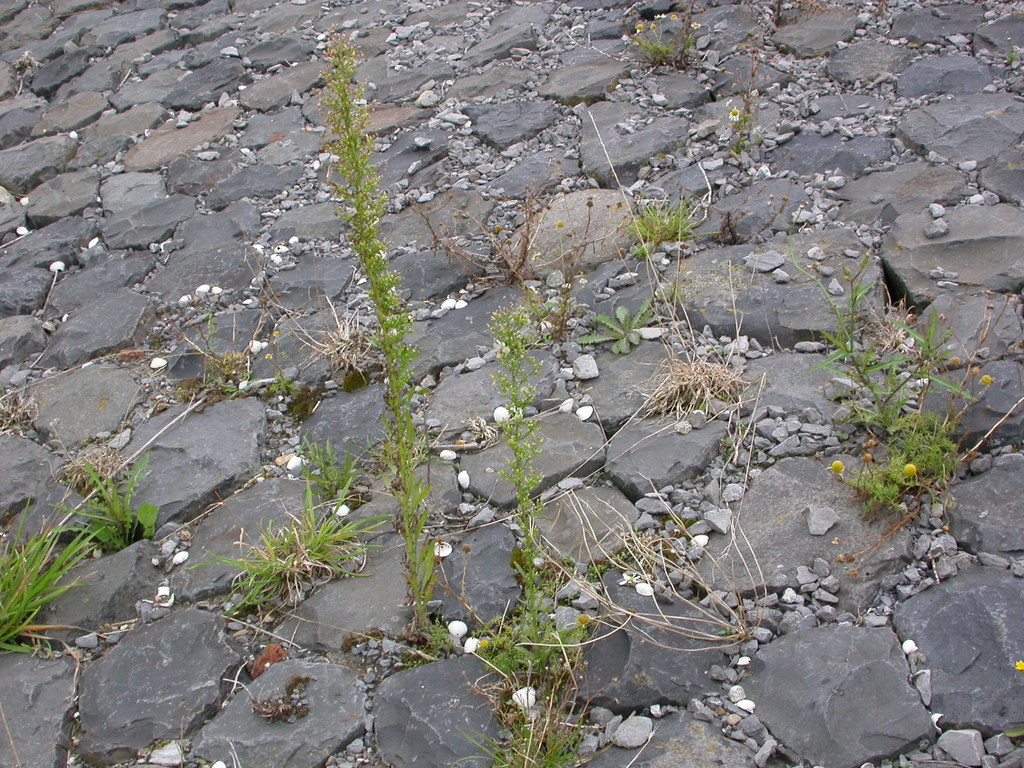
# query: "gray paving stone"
965,627
906,189
867,61
931,25
168,141
981,128
26,166
106,274
816,33
123,27
584,83
276,91
23,290
615,158
150,224
853,705
62,196
679,741
477,583
62,240
349,421
144,691
78,111
314,283
434,716
111,394
810,153
333,720
38,695
952,74
21,337
503,125
586,524
30,470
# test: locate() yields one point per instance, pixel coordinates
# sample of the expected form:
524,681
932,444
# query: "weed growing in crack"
290,560
332,479
659,221
669,40
623,329
17,412
363,205
112,519
680,387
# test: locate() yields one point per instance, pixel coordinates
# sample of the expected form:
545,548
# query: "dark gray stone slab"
434,716
1005,176
108,324
614,158
168,141
350,422
161,682
21,337
1000,36
149,224
62,240
682,90
981,127
26,166
649,454
981,326
931,25
908,188
867,61
99,150
569,448
110,272
968,629
652,659
584,83
679,741
432,274
199,459
985,509
536,174
255,182
347,609
29,470
230,267
334,719
315,282
838,695
125,26
476,583
316,221
127,192
414,157
239,221
618,392
62,196
23,290
279,49
586,524
133,121
198,177
16,124
764,208
78,405
772,518
952,74
206,84
502,125
791,381
262,129
816,32
105,591
992,411
77,112
228,530
491,82
982,248
810,153
54,73
453,215
516,27
38,696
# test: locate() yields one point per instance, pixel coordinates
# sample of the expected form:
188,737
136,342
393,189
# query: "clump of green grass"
332,478
660,221
33,573
290,560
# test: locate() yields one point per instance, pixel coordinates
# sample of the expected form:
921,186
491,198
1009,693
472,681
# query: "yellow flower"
1019,666
734,115
986,380
585,618
559,224
639,27
910,471
484,643
838,467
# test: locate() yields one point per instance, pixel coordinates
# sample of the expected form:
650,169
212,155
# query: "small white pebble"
525,698
584,412
185,299
447,455
457,629
94,242
442,549
701,539
203,289
461,304
644,589
294,463
746,705
448,304
73,135
341,510
743,661
909,646
566,405
216,290
58,266
464,479
24,201
180,557
22,230
501,414
157,363
472,645
163,592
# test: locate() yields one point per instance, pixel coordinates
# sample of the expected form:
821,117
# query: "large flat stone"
477,583
984,248
350,421
968,628
986,509
586,524
435,716
168,141
62,196
26,166
80,404
200,458
149,225
773,523
908,188
679,741
981,127
954,74
30,469
108,324
614,157
816,32
161,682
839,695
333,720
38,696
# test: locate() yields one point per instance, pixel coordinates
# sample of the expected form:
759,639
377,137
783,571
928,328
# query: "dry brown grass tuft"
681,386
103,460
17,413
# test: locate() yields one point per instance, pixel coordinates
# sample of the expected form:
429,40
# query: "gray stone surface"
653,658
967,629
679,741
21,337
28,165
349,421
38,696
568,448
614,157
853,705
110,323
959,75
334,719
434,716
774,534
199,458
168,141
985,509
583,83
29,470
907,189
980,128
61,417
476,582
649,454
505,124
867,61
180,661
149,225
816,32
809,153
66,195
586,524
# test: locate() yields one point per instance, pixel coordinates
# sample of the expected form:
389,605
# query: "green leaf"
146,515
